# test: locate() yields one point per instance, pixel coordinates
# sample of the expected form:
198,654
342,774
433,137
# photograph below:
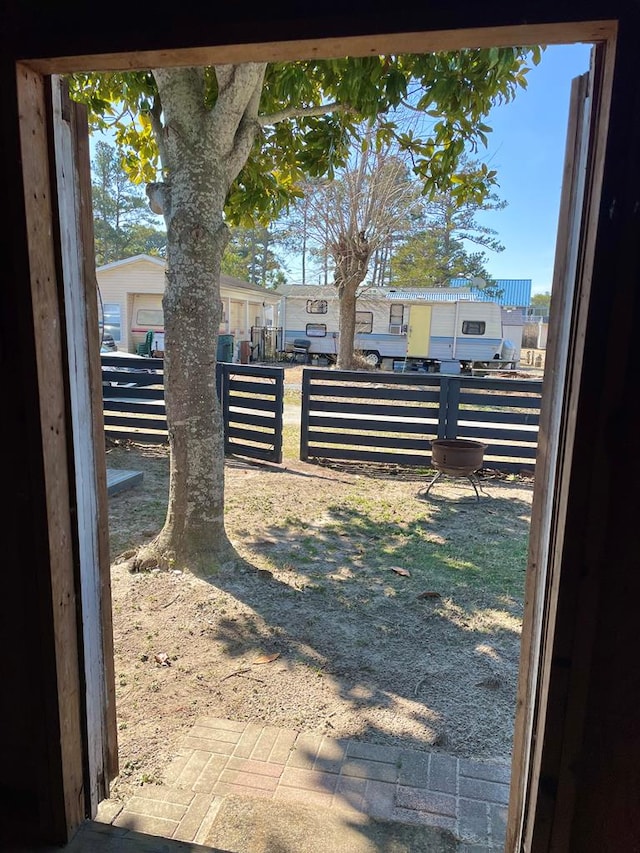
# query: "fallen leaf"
267,658
400,571
163,659
429,595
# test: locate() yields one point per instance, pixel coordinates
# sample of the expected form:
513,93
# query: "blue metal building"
516,292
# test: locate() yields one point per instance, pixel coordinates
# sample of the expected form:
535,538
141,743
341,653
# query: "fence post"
222,388
279,421
443,407
304,415
219,381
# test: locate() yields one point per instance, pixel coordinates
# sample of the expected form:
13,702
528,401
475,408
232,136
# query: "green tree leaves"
309,115
436,249
123,224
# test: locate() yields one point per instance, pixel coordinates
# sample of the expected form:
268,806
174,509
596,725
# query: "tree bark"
347,324
351,255
202,152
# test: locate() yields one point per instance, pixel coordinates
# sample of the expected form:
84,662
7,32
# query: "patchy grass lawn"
384,615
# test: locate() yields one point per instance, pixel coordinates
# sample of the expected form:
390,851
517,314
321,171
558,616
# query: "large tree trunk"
351,255
194,530
202,152
347,324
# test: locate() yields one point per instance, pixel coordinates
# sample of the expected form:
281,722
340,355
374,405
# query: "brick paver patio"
221,757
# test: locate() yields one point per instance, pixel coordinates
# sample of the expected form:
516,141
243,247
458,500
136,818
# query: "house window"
152,318
364,322
112,320
316,330
316,306
396,319
473,327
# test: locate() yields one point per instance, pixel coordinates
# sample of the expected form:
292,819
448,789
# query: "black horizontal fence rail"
349,416
133,399
252,402
252,399
354,416
504,414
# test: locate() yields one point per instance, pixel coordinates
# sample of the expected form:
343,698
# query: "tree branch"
237,101
189,82
303,112
158,129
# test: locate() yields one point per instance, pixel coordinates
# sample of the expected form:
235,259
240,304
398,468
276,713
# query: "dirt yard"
356,608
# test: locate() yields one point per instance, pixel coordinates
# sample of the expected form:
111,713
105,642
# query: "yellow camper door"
419,331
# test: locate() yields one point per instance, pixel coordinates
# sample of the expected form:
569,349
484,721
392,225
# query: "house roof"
227,280
133,259
516,293
230,281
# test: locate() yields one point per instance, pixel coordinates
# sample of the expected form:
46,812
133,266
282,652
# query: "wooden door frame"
45,273
529,809
69,372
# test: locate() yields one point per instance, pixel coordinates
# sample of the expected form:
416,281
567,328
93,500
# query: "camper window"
396,319
364,322
316,306
316,330
473,327
396,315
149,317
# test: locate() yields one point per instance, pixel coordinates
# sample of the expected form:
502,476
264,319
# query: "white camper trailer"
427,329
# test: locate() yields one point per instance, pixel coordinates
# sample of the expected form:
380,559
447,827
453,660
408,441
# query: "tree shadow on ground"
406,610
394,614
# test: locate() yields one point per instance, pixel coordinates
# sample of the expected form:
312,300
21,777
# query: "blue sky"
527,149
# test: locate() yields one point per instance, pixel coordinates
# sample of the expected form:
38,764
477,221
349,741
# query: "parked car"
107,344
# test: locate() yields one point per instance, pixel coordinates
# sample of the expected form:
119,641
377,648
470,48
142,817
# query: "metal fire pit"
458,457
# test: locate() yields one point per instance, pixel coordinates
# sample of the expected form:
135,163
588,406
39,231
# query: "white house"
130,300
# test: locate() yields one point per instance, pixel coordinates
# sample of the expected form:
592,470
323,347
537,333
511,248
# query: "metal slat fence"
253,401
352,416
133,399
358,417
251,398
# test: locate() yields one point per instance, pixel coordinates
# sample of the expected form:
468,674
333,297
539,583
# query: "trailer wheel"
373,358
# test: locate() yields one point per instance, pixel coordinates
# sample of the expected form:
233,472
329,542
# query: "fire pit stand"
457,457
